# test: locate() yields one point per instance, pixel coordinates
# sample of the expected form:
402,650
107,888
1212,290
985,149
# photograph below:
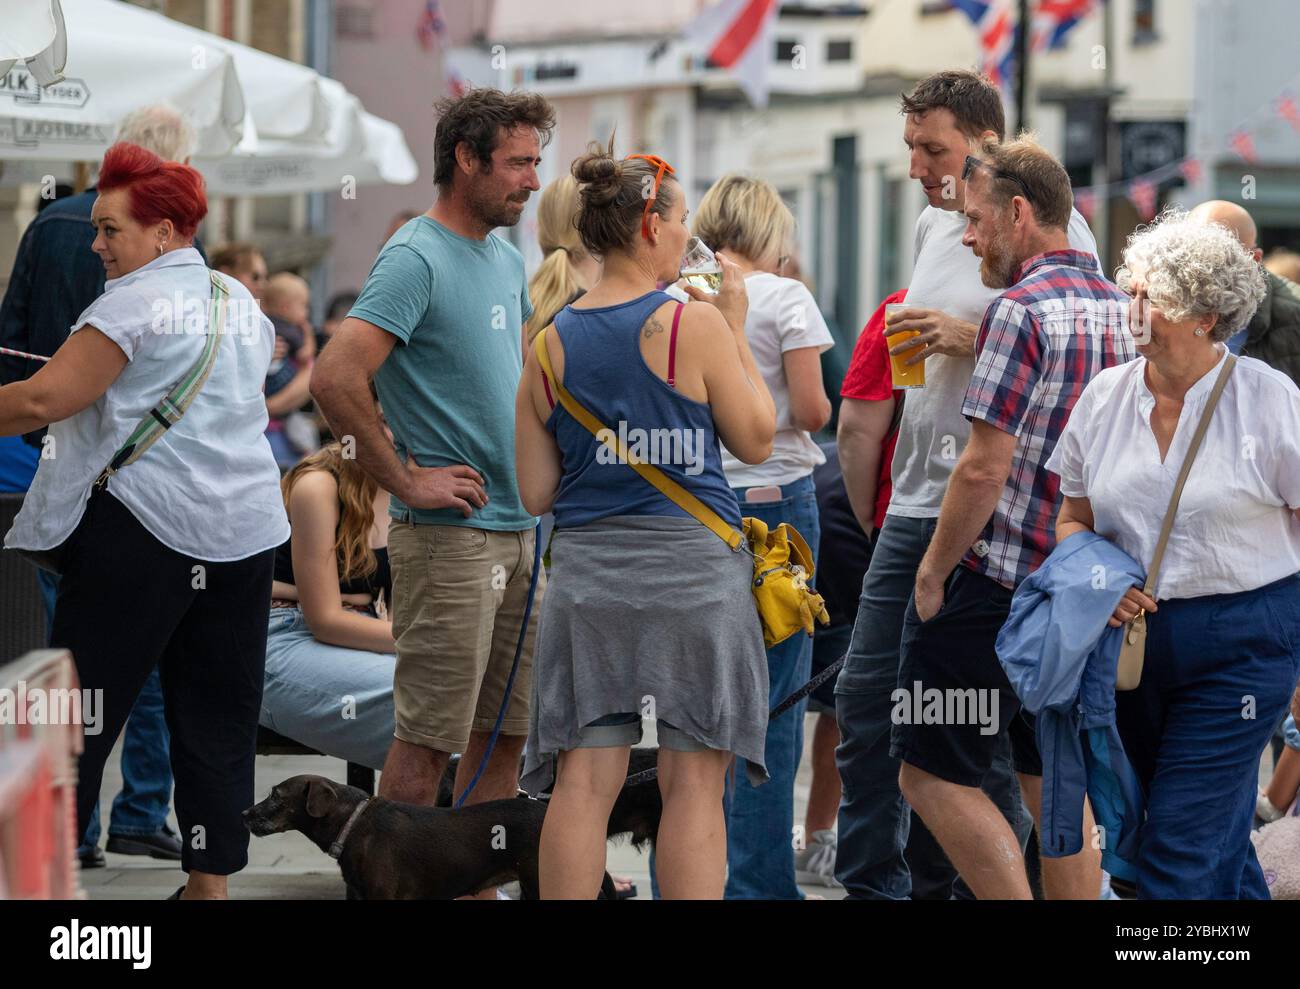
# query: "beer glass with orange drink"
905,375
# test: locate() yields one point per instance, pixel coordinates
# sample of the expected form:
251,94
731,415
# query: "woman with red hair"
158,500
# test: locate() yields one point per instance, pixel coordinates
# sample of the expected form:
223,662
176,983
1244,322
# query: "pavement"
289,867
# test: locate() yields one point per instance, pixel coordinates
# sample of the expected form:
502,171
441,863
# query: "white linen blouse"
209,487
1235,527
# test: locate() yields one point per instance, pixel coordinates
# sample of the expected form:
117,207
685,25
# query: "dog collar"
336,849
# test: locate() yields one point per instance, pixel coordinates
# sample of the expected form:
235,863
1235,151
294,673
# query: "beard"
495,212
997,267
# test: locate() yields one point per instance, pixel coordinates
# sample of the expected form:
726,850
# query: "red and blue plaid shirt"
1039,345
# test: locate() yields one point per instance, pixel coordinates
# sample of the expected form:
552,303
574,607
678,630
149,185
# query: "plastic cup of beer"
700,268
905,375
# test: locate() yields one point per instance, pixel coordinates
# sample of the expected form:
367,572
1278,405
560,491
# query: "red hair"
157,189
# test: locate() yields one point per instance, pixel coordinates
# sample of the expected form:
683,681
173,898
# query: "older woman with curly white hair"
1223,640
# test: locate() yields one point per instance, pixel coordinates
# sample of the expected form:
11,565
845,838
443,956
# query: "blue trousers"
141,808
1218,675
760,819
880,853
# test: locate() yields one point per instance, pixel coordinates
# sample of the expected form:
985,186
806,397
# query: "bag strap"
1150,588
669,488
169,410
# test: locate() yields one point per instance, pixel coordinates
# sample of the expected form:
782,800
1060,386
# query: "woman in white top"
1223,640
168,561
746,218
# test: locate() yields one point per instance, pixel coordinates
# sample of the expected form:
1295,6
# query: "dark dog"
636,812
639,807
397,851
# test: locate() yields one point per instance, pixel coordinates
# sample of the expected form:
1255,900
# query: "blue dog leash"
514,668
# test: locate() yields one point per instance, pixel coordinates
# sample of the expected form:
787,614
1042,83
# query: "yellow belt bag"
783,563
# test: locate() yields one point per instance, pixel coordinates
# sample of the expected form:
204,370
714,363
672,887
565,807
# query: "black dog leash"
646,775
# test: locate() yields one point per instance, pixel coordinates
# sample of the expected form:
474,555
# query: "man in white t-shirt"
948,116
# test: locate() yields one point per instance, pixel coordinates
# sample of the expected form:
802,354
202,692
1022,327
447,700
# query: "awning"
32,33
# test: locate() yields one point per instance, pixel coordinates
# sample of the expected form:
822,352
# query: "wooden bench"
273,743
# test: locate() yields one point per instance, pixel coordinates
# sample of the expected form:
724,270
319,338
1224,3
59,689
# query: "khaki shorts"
459,595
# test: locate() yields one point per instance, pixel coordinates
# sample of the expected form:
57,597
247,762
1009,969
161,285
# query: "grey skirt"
653,615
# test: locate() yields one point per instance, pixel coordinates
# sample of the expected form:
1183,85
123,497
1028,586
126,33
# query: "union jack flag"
431,29
995,20
1054,19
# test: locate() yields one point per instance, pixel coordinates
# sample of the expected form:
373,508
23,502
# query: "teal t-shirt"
456,306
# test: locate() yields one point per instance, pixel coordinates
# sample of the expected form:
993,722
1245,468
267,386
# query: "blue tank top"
604,371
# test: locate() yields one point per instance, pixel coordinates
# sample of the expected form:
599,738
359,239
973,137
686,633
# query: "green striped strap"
172,406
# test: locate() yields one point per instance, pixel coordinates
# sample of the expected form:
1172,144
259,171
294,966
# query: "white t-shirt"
1234,529
209,487
783,316
933,432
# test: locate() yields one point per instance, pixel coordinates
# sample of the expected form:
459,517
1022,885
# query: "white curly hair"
1193,269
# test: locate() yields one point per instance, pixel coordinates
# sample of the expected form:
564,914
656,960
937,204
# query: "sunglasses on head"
973,163
661,166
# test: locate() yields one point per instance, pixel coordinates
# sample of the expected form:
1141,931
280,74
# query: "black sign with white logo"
1146,145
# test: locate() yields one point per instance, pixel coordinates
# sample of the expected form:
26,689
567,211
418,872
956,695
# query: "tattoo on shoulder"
652,326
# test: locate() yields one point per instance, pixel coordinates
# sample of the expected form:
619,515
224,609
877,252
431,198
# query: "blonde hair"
556,280
745,215
283,286
357,493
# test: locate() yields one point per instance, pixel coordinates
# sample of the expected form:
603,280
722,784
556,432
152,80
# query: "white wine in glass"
705,279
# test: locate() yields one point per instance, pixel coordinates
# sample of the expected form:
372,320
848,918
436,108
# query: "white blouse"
209,487
1234,529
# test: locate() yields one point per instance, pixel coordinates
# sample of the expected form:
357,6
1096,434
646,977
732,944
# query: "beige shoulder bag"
1133,649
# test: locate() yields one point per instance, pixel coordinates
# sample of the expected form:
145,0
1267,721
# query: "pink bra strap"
672,346
546,384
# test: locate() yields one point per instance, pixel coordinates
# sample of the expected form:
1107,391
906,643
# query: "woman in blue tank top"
647,613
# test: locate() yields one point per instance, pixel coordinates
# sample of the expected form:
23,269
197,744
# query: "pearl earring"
1200,332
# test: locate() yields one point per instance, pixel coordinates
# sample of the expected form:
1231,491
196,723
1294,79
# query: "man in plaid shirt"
1058,324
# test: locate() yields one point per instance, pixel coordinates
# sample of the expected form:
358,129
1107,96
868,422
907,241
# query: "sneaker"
815,865
91,857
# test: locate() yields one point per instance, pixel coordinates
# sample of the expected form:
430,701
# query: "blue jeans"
875,822
141,808
760,820
338,701
1195,743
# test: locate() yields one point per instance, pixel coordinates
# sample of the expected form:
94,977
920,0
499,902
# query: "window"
785,49
354,21
1144,22
839,50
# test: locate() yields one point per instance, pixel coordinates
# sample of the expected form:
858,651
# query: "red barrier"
39,745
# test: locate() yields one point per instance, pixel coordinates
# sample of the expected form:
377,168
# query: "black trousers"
127,603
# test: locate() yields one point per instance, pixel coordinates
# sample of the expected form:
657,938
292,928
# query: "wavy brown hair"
357,493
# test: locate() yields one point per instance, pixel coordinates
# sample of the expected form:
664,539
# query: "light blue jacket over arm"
1061,657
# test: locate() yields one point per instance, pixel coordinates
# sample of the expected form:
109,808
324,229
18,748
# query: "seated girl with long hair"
329,649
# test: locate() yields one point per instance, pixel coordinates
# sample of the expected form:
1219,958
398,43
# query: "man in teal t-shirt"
438,328
456,305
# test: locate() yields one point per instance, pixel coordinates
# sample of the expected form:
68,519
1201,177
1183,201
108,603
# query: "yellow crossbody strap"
669,488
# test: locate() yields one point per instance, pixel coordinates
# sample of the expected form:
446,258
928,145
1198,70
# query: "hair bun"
600,174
